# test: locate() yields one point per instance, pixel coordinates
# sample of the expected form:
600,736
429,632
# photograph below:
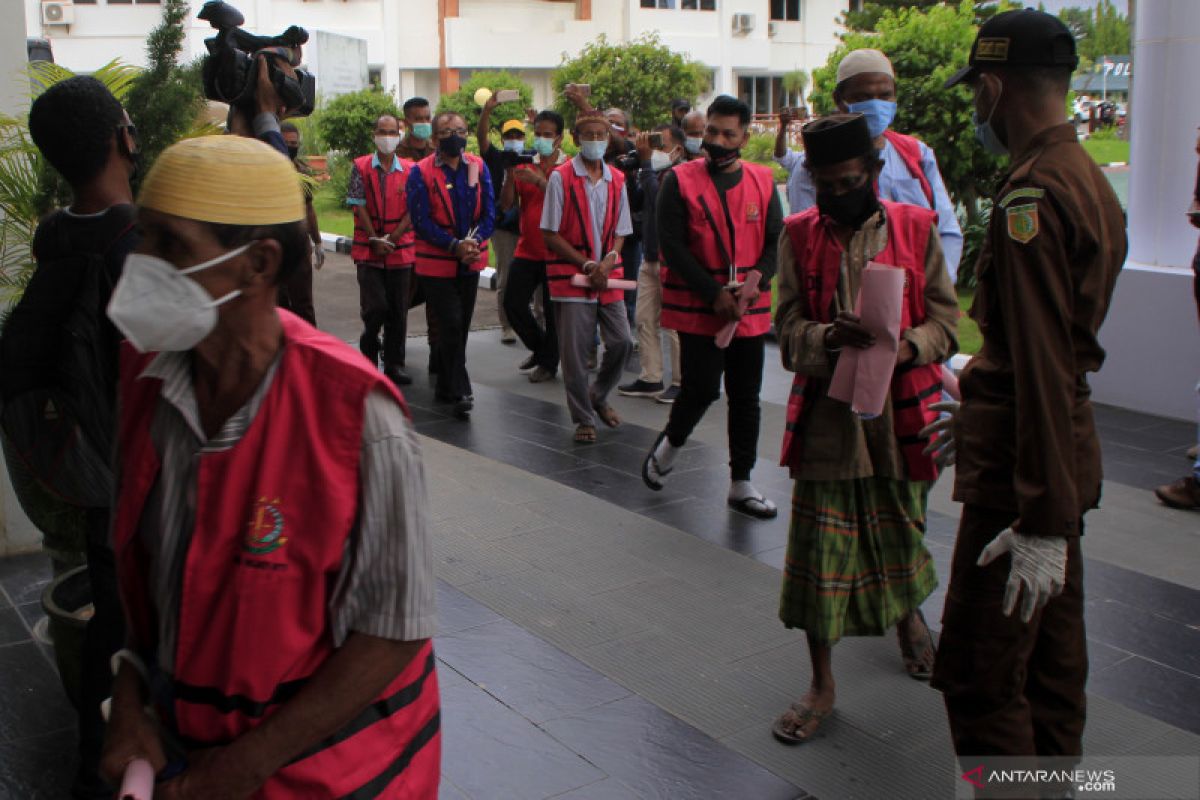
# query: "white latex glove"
318,256
942,445
1039,565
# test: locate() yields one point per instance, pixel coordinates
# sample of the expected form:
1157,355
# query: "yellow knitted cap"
230,180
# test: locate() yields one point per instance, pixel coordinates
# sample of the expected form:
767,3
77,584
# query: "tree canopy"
640,77
347,122
463,101
926,46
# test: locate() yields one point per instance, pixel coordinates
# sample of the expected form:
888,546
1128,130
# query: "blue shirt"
897,184
462,197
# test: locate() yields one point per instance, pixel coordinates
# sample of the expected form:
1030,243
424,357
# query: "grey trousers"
576,333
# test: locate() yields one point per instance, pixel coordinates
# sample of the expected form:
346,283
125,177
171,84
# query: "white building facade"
426,47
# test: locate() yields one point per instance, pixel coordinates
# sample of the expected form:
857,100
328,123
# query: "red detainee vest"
708,240
576,228
433,261
531,245
818,256
909,150
273,514
386,206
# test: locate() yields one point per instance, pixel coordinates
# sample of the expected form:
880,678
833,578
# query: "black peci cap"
1025,38
836,138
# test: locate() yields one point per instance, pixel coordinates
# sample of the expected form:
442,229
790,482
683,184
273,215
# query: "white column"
1150,334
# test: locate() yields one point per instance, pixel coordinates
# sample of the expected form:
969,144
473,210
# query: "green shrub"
463,101
347,122
761,150
973,235
333,191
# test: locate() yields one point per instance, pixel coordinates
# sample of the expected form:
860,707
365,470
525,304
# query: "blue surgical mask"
986,134
422,130
543,146
593,151
879,114
514,145
693,144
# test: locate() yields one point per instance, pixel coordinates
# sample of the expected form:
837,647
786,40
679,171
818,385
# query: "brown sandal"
585,434
919,666
795,718
608,415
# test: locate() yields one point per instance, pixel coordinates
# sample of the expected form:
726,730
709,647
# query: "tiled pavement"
661,684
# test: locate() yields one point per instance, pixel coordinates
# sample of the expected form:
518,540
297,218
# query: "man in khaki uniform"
1028,456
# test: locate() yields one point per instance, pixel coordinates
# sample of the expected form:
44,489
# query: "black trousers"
452,301
524,277
296,294
703,364
383,296
105,635
1011,688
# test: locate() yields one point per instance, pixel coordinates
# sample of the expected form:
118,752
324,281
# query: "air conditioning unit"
743,23
58,12
772,28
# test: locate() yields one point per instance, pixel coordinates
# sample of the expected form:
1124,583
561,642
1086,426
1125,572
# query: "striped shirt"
386,584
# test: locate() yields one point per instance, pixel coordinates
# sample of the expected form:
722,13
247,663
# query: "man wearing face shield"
866,84
1028,455
278,587
857,564
384,248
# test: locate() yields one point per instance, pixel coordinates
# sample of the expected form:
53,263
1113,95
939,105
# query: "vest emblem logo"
752,212
264,532
1023,223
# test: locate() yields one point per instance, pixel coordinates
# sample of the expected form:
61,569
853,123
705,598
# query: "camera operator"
508,224
269,110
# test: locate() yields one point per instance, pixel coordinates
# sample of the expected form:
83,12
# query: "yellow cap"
231,180
512,125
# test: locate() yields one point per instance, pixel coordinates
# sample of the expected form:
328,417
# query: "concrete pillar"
1150,335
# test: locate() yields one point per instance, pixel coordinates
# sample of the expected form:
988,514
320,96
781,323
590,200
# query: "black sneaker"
669,396
398,376
641,388
463,407
528,364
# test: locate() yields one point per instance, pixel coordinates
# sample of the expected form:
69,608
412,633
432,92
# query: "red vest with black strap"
818,257
532,244
576,228
709,241
273,515
432,261
909,150
386,206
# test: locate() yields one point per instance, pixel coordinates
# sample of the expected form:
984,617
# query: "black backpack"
57,377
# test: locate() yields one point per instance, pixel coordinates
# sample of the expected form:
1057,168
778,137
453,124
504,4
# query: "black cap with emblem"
1018,39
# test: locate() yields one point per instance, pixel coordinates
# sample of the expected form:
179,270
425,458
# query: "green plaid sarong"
856,558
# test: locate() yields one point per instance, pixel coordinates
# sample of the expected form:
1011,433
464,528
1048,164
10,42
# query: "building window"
686,5
785,10
856,5
765,95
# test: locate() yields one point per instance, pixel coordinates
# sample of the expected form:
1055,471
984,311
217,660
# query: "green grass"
969,337
1106,151
333,217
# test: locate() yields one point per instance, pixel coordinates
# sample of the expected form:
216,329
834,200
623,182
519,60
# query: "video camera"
229,72
513,159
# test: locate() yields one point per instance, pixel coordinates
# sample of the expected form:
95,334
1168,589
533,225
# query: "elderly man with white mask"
866,84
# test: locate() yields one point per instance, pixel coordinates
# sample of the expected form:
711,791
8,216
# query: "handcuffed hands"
1038,571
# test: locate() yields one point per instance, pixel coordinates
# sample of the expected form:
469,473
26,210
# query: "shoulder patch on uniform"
1023,223
1017,194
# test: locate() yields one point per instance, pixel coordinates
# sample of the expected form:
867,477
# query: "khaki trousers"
649,333
505,242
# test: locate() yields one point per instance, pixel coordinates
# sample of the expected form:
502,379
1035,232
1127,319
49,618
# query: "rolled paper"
580,281
138,781
950,382
725,335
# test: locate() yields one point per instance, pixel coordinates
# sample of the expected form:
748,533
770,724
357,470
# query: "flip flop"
756,507
913,661
585,434
650,462
803,715
608,415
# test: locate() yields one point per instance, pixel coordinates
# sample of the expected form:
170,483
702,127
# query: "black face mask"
851,209
293,152
452,146
720,156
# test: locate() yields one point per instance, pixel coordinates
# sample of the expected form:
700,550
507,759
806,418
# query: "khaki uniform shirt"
1026,440
837,444
414,149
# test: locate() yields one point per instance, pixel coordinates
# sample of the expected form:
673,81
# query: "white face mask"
659,160
159,309
693,144
387,144
514,145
